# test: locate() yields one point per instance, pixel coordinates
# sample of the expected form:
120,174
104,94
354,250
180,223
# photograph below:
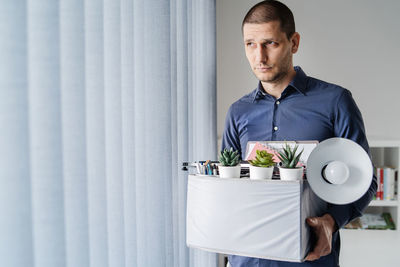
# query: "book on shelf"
387,183
382,221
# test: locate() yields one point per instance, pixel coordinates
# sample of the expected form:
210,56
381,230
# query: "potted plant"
288,169
229,166
262,166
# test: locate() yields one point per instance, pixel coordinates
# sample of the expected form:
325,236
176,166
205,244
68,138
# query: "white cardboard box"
255,218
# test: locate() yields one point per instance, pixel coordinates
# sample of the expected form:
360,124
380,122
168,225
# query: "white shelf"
385,152
383,142
381,232
366,247
384,203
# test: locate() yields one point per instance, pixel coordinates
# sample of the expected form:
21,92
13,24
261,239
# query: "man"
289,105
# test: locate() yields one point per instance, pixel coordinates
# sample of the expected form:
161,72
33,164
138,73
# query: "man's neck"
275,89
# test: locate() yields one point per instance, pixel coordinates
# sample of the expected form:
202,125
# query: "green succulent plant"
229,157
288,156
263,159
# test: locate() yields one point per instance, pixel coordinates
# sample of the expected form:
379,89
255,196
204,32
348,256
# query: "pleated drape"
100,101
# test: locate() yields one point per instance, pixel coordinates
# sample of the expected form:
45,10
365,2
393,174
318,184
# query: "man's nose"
261,54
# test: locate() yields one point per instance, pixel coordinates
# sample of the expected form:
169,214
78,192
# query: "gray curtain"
100,101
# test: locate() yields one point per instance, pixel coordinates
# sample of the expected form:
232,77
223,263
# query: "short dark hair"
272,10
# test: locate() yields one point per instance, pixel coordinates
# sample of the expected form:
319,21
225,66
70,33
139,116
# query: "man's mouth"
264,68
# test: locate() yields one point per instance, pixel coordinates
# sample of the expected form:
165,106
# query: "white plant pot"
229,172
259,173
291,174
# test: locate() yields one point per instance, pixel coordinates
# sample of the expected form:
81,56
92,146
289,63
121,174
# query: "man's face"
269,51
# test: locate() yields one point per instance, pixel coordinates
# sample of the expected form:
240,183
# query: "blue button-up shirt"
308,109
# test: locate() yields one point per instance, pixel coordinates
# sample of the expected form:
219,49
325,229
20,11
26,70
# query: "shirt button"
276,128
277,102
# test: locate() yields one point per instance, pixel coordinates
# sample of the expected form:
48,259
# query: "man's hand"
323,228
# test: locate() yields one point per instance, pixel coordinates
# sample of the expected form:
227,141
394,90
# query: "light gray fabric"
100,102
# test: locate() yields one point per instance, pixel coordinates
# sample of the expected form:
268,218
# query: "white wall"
351,43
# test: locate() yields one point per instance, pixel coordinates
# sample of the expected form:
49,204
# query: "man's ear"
295,41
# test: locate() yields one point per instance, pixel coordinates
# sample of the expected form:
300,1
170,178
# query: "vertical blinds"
99,103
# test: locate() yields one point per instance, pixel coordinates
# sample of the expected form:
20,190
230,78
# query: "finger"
325,250
312,256
322,248
312,221
324,242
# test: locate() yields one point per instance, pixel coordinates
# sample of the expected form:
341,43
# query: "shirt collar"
259,92
300,80
298,83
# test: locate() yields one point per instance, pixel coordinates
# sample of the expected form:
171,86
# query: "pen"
210,172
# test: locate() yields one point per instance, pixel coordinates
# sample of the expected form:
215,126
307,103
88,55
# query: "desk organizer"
254,218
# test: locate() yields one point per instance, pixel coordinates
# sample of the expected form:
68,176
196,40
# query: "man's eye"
250,44
271,43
